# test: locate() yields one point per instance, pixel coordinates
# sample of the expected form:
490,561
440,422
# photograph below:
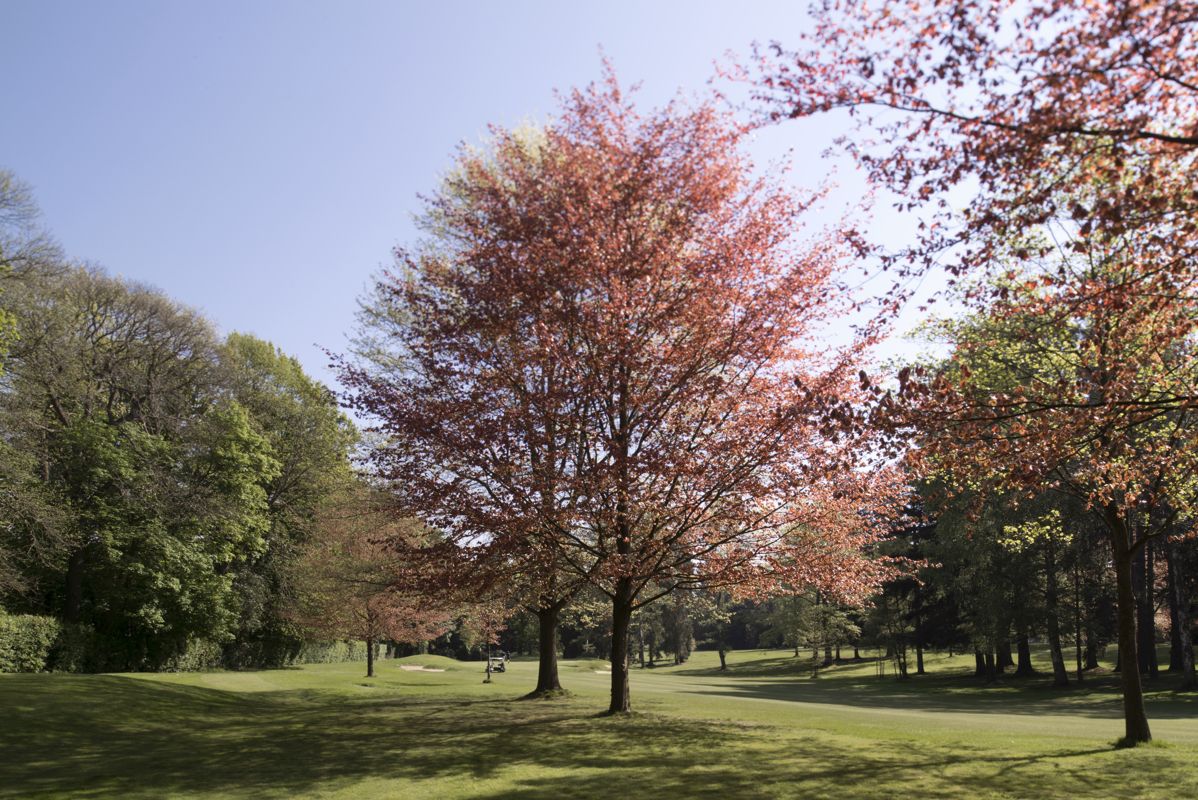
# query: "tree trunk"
621,618
919,657
979,667
991,668
1003,656
369,658
547,680
1091,650
1135,720
1023,650
723,659
1179,605
1060,676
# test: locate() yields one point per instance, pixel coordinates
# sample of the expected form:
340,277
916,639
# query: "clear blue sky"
259,160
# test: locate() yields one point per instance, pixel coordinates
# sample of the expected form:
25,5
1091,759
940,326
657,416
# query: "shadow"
117,737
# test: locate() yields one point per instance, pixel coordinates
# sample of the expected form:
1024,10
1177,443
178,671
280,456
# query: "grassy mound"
432,662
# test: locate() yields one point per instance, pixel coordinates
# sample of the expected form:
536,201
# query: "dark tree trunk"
369,658
919,658
856,653
1003,656
723,659
1182,650
547,680
828,660
1135,719
1091,650
621,619
1023,654
1060,675
979,668
991,668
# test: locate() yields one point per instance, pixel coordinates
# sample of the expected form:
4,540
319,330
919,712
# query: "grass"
765,728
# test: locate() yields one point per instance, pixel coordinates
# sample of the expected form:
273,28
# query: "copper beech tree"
1049,108
606,366
1076,123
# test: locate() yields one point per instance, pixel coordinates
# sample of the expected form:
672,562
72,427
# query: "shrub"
26,642
197,656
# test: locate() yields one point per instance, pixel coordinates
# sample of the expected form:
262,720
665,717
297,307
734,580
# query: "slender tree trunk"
919,658
1135,719
621,618
979,667
1060,675
991,668
547,679
723,659
856,653
1180,608
369,658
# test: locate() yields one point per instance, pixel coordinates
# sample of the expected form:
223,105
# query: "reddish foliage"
611,366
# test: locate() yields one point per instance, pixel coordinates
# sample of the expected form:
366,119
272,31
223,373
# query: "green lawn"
764,729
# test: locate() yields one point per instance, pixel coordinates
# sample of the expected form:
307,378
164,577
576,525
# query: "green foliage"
198,655
330,652
26,642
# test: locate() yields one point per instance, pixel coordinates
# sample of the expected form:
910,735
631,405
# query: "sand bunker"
412,668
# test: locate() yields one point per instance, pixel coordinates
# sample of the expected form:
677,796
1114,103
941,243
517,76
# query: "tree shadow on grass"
1099,696
111,736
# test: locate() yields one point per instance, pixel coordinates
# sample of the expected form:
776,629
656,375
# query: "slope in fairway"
765,728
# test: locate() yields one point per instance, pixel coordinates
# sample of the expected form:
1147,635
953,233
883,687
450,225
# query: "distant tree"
347,577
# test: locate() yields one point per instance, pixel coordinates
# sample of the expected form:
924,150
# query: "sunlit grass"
764,728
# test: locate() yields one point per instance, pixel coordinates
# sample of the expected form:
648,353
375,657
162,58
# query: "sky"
259,161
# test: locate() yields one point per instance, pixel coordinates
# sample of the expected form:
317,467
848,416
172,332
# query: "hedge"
26,642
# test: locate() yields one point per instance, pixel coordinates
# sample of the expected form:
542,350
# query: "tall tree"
110,397
311,440
1077,399
613,366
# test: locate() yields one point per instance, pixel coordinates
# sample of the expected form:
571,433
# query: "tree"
310,439
348,572
110,399
614,366
1041,103
1077,399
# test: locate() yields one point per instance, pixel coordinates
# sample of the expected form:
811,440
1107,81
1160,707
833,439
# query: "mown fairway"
765,729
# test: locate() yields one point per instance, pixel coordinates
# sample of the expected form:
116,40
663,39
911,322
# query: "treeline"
157,480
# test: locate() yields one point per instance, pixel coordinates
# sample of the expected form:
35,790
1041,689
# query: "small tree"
348,578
